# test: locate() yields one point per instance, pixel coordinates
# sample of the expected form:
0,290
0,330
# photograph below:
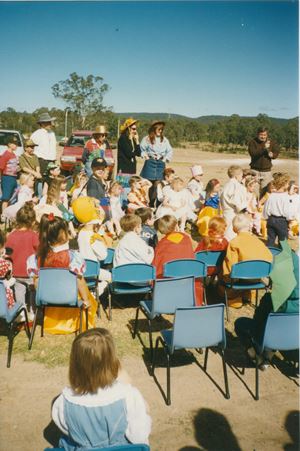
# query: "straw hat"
29,143
128,123
100,130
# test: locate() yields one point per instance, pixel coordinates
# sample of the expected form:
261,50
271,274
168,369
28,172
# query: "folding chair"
185,267
9,316
246,275
108,261
212,259
168,295
91,276
274,250
128,447
57,287
194,327
281,334
132,278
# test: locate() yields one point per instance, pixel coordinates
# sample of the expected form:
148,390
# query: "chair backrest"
92,269
3,302
185,267
251,269
199,327
169,294
282,332
109,258
56,286
211,258
274,250
133,273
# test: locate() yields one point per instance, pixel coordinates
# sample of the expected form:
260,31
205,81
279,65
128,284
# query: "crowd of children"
44,214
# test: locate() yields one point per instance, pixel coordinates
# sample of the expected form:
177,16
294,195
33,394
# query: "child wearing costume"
211,206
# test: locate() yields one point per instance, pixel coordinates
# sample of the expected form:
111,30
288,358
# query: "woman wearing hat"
128,147
156,150
95,148
45,139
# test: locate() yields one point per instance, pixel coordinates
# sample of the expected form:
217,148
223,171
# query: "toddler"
79,187
295,209
137,196
53,171
148,233
195,186
99,409
211,206
168,175
115,204
24,194
252,204
132,248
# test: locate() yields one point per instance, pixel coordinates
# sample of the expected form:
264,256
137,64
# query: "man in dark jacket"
262,151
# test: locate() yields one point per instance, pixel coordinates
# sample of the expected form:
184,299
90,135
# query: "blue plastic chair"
274,250
246,275
133,278
109,258
91,276
212,259
129,447
186,267
196,327
9,316
281,334
168,295
57,287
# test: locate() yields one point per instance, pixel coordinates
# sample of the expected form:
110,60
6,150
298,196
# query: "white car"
3,137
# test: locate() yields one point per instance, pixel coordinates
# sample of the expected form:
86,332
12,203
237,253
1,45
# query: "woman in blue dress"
156,150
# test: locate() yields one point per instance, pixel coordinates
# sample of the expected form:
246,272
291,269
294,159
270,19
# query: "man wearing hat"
128,147
95,148
45,139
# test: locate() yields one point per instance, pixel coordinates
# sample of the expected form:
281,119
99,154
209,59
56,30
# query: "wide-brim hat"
45,117
29,143
128,123
158,122
100,130
52,165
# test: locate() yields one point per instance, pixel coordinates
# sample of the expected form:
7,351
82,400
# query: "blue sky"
191,58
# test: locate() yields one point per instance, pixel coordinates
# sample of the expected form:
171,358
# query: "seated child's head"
93,361
26,180
241,223
281,182
216,227
251,183
177,184
26,217
115,189
53,192
146,215
166,224
168,174
53,232
99,167
80,179
131,223
235,172
212,187
293,187
53,169
135,182
197,172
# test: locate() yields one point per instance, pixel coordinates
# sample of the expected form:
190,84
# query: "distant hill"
203,119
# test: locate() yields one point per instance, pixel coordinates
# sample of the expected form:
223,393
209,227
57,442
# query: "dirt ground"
200,418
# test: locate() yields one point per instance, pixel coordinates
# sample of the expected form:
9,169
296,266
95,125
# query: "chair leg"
80,320
33,327
204,295
150,338
168,380
256,379
10,344
86,318
135,329
226,305
154,356
205,359
227,395
109,307
43,316
27,330
256,299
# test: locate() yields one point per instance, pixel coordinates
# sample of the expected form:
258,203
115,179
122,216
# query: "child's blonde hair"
166,224
250,180
177,181
114,185
24,178
280,181
234,170
129,222
216,230
241,222
93,361
134,179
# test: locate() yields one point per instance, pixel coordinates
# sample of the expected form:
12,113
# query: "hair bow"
50,217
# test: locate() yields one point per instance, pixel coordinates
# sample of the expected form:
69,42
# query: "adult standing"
128,147
45,139
262,151
95,148
156,150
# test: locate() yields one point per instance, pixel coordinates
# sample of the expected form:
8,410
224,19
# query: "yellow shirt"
245,247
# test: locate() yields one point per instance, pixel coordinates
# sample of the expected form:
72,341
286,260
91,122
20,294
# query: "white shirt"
46,141
133,249
233,197
279,204
88,251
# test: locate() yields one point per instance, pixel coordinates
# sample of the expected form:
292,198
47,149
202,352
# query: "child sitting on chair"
132,248
99,409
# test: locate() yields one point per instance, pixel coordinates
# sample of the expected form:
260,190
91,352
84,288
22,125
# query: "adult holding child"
156,150
45,139
262,151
